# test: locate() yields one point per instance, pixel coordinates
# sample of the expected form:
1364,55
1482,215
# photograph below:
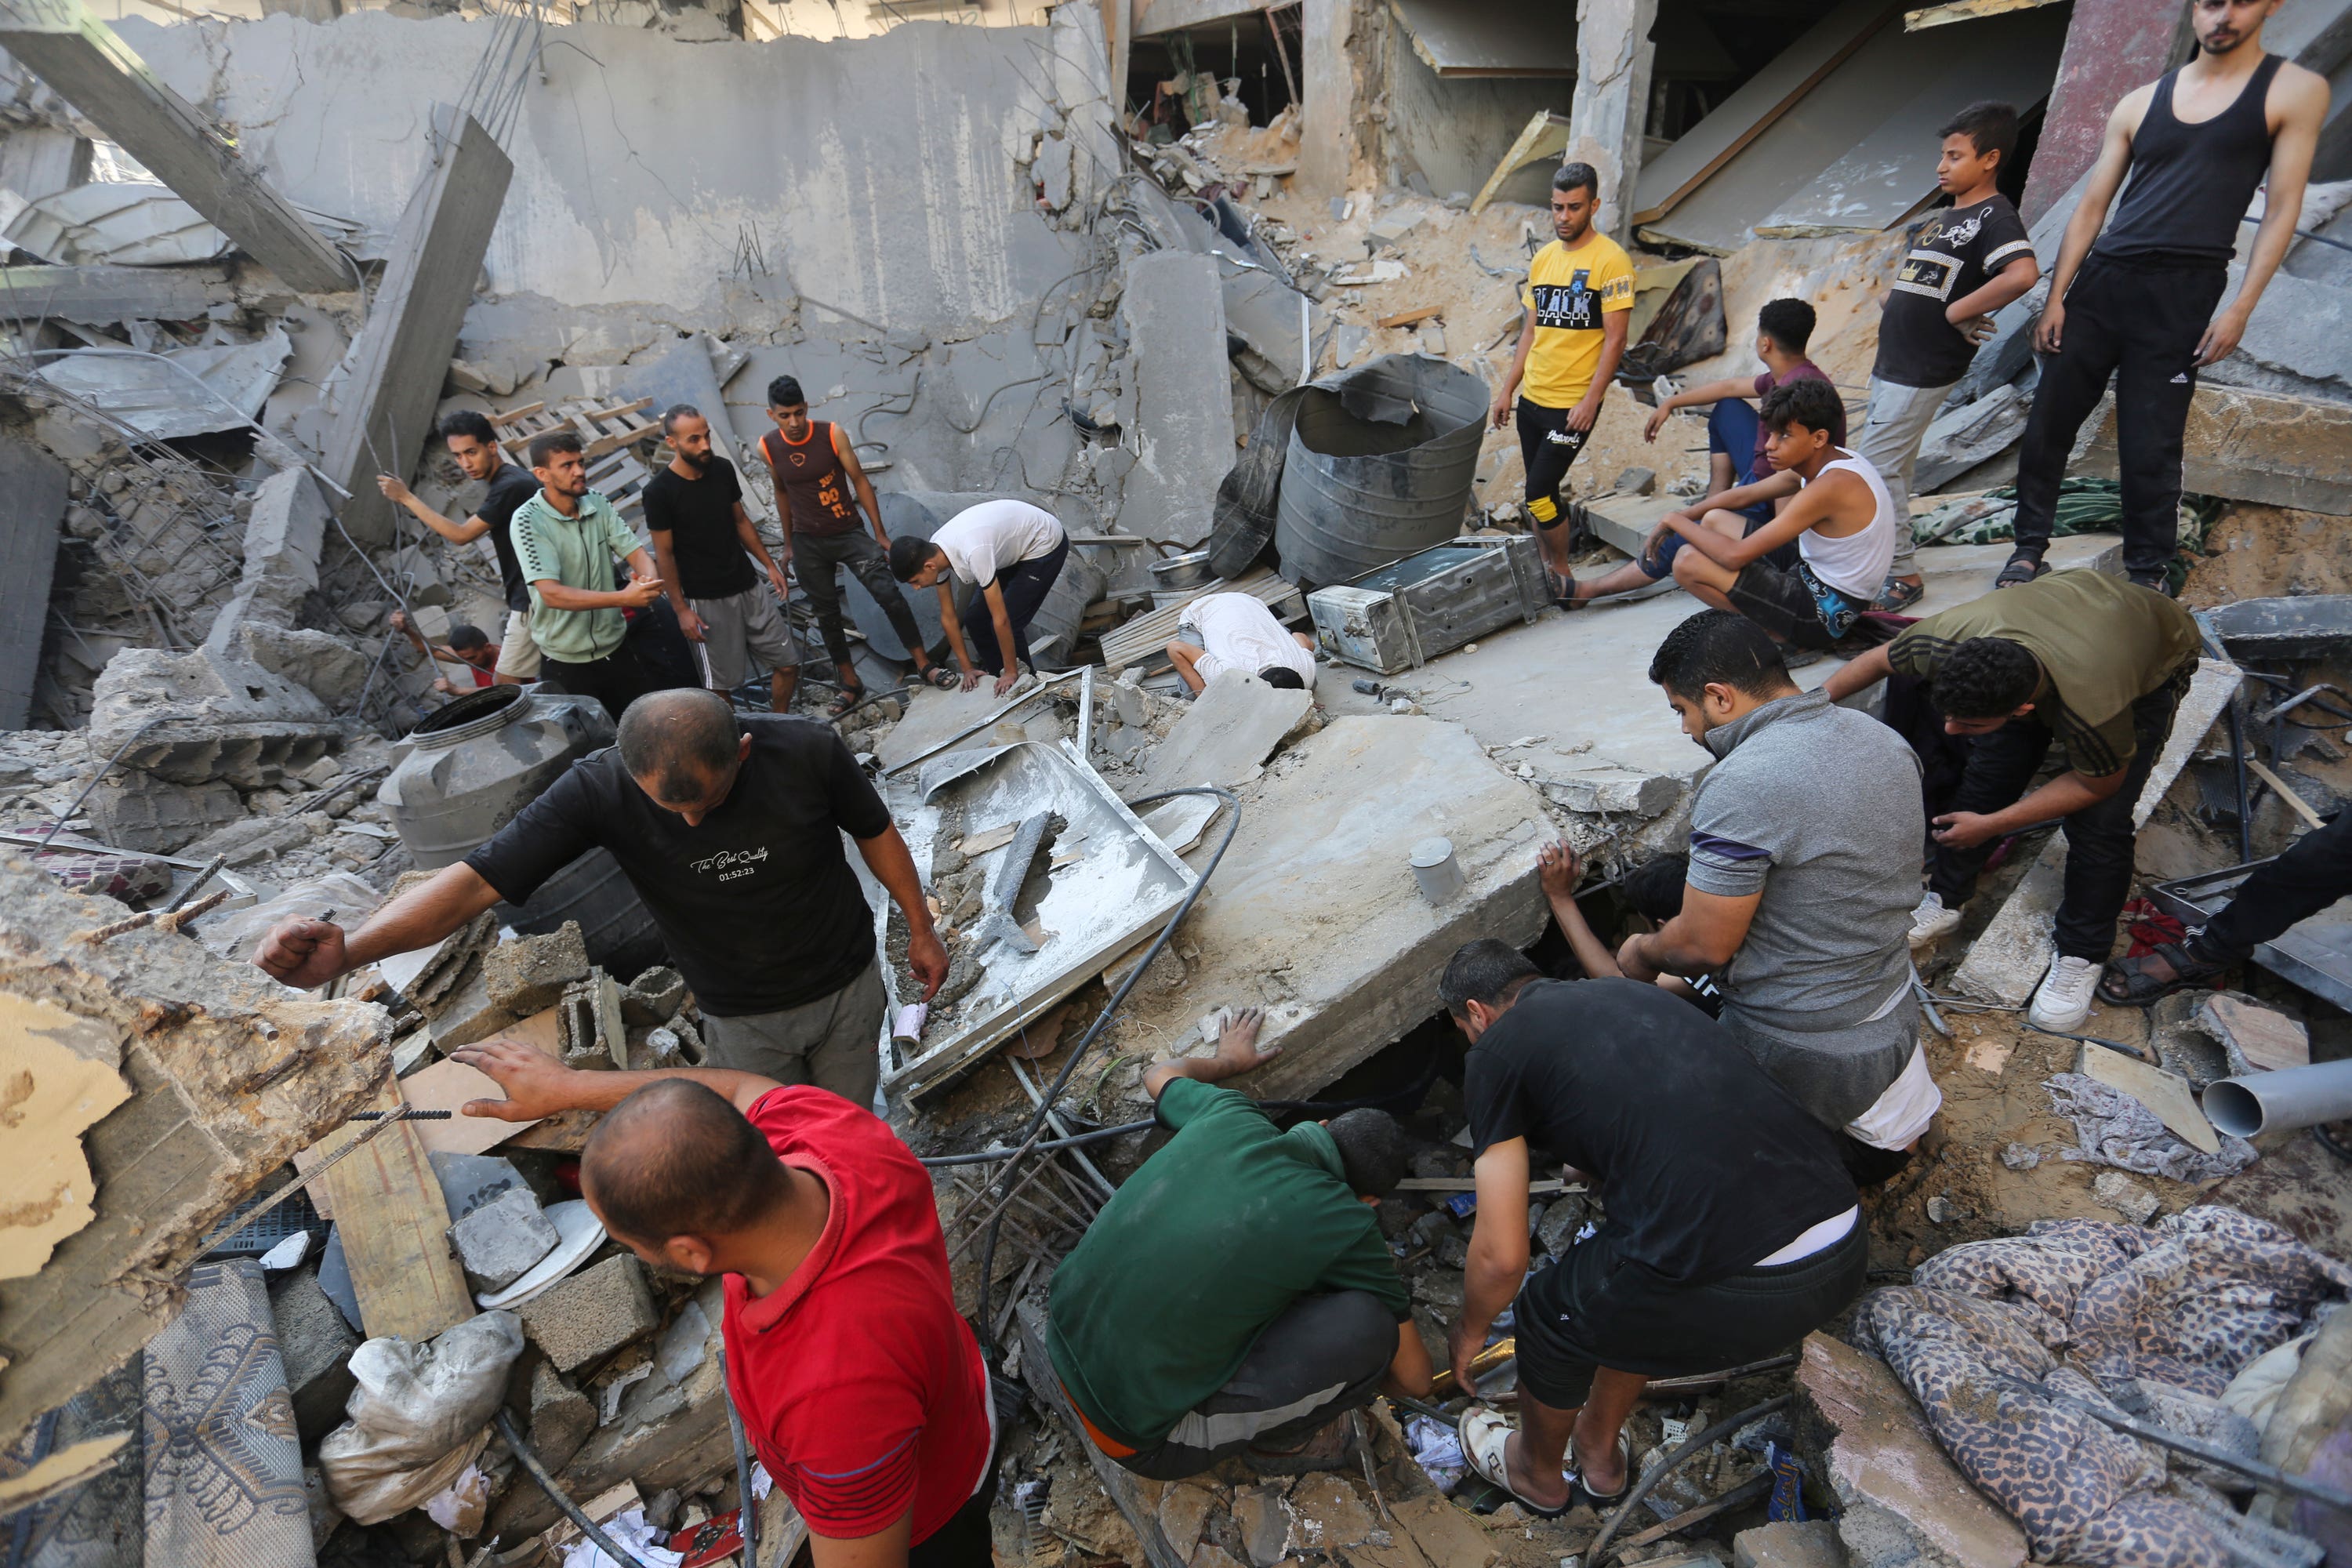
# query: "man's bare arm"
1699,941
886,855
400,495
1826,500
1859,674
1511,378
859,484
2091,213
1237,1054
536,1086
1498,1252
2303,98
308,953
665,559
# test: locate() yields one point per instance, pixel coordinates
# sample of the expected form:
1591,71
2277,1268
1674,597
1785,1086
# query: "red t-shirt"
861,1388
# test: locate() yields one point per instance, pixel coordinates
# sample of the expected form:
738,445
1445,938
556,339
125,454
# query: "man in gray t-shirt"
1804,864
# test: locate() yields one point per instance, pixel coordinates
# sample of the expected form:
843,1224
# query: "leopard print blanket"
2103,1313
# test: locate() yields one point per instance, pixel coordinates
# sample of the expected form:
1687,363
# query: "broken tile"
2257,1038
2166,1094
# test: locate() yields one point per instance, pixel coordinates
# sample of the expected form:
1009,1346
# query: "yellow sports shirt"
1569,290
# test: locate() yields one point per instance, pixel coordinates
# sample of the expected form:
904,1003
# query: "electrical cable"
1694,1446
1030,1134
556,1494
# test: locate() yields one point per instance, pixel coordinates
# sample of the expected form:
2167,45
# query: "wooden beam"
394,1224
403,354
97,296
1964,11
79,55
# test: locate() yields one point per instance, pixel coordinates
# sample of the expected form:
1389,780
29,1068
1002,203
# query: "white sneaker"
2064,1000
1932,920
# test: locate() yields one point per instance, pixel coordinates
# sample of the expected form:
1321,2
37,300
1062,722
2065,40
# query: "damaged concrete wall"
1451,132
660,183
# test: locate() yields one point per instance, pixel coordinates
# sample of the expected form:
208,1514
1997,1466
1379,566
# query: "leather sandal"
2021,567
2128,982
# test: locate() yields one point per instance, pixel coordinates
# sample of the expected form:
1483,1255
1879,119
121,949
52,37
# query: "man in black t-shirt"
705,543
475,446
1966,262
1732,1228
731,834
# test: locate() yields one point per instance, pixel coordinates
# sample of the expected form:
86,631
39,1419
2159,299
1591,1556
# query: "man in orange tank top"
819,488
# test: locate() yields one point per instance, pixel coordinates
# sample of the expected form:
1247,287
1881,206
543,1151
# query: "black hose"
1691,1447
1102,1020
2238,757
748,1515
988,1156
555,1494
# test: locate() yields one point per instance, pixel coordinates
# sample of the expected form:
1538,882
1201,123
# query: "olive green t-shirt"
1204,1248
2103,644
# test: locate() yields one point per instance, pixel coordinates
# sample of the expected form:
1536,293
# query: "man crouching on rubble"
862,1390
1236,1297
1732,1230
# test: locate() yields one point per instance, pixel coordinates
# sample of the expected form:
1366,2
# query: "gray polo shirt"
1817,808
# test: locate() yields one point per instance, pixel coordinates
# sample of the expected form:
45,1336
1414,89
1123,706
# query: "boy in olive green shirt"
1237,1295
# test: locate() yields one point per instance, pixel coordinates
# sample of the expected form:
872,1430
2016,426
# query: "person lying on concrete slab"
861,1389
1236,1297
1733,1230
1839,518
2094,663
2312,873
1804,863
1011,552
730,832
1218,632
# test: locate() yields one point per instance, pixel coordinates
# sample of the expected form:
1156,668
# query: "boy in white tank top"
1840,518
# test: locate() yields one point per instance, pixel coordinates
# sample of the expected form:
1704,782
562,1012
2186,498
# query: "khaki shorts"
519,654
738,629
834,1042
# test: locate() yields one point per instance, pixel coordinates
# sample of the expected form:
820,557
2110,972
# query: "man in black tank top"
2139,303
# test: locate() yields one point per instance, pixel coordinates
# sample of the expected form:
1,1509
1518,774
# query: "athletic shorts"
738,629
1794,605
519,654
1598,1308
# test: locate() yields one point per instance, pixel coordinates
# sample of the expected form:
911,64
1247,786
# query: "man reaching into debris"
861,1389
1732,1230
1579,299
705,543
566,538
2134,298
475,446
467,647
2095,663
1965,263
1841,522
819,488
2312,873
1218,632
1010,554
1804,854
1236,1298
730,832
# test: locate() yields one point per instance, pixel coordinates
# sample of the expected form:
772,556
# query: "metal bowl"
1188,570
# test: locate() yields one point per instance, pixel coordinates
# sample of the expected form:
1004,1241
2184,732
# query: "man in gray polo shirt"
1804,865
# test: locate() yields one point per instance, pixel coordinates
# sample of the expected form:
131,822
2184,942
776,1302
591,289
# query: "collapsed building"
1199,278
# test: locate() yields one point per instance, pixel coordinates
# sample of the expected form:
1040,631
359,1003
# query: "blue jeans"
1730,430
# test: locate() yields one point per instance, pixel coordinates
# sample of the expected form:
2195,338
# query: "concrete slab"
1315,914
933,716
1230,729
2248,446
1174,311
2009,959
2209,692
35,483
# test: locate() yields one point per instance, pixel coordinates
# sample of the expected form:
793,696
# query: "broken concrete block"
2247,445
1174,311
1348,342
529,975
191,717
2126,1196
1903,1499
500,1242
1391,227
255,839
157,1084
561,1417
1432,340
1231,727
653,997
1787,1544
1615,791
2009,959
1183,1510
1263,1518
1051,173
469,1181
2256,1038
283,535
591,1314
326,665
316,1344
1325,1512
138,811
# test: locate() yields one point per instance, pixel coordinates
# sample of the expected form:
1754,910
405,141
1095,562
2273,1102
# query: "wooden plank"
1964,11
395,1226
1146,636
93,69
516,416
1412,318
447,1085
1749,112
1546,136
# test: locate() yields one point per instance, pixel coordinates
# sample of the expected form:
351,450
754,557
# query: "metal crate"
2315,953
1411,611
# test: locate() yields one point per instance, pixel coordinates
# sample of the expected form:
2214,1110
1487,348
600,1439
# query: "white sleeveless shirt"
1856,565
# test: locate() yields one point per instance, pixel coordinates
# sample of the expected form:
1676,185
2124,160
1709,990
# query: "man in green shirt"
2088,661
1236,1294
566,538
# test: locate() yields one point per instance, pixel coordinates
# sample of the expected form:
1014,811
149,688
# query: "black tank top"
2190,184
815,485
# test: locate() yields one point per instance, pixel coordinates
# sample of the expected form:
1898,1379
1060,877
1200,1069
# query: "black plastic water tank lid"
476,714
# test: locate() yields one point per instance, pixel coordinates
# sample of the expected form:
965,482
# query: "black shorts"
1596,1307
1794,605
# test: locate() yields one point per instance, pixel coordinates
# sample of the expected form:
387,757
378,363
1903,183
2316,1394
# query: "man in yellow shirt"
1579,298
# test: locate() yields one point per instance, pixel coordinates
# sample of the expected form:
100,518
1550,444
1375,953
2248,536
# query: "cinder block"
527,975
498,1243
591,1314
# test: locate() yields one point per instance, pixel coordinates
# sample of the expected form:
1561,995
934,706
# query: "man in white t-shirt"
1010,550
1218,632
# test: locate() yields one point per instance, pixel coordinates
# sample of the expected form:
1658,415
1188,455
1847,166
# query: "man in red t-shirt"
862,1390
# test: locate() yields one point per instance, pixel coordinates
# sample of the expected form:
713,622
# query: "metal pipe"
556,1495
2281,1101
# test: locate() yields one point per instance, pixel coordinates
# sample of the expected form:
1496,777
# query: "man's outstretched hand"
1237,1051
926,958
303,953
537,1085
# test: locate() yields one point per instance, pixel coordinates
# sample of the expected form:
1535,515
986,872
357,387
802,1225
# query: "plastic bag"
420,1416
